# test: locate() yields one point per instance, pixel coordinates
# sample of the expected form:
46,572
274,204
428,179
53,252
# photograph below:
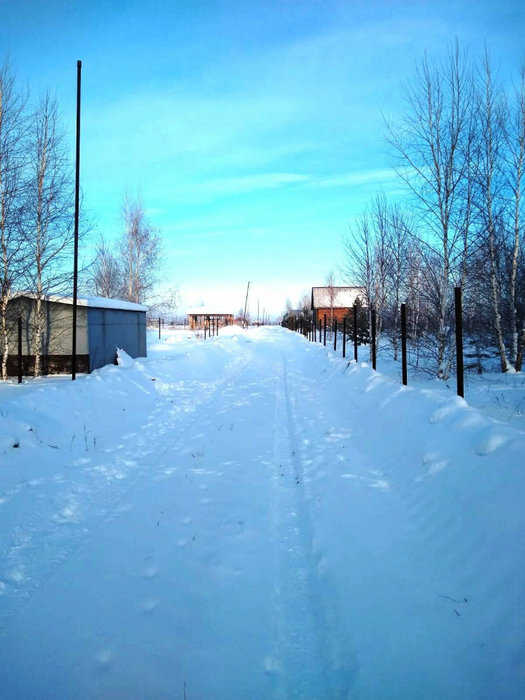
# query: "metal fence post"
324,335
404,343
335,335
159,327
373,338
344,337
459,341
19,350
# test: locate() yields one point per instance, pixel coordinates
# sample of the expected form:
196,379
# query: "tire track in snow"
302,661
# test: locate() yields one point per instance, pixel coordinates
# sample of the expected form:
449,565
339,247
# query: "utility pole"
75,254
245,306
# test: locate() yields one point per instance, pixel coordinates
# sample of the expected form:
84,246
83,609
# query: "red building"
335,302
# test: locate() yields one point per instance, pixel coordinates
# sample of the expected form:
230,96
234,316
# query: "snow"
341,297
251,516
123,359
94,302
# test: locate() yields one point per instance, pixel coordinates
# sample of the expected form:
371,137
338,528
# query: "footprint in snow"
150,571
149,605
233,525
104,657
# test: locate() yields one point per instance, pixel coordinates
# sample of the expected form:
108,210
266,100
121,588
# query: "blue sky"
253,129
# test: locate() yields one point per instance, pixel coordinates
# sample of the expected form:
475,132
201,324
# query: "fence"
312,329
210,326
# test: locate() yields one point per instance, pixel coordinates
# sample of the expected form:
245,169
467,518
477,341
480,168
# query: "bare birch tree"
331,292
358,266
430,149
515,138
397,270
305,306
491,186
381,260
48,215
140,250
376,260
13,125
106,275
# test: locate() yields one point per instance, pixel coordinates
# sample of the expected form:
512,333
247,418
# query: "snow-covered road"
252,517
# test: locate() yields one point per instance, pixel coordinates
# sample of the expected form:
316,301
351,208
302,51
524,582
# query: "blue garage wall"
109,329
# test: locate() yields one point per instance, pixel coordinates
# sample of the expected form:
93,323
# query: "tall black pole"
404,343
324,333
344,337
75,254
459,341
335,335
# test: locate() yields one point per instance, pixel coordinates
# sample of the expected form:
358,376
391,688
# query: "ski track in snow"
306,662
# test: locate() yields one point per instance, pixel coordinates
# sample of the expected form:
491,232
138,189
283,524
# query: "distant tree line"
460,149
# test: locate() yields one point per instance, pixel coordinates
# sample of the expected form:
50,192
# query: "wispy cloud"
245,184
357,179
252,183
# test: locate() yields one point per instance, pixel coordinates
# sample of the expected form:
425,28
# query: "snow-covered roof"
93,302
209,311
343,297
